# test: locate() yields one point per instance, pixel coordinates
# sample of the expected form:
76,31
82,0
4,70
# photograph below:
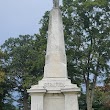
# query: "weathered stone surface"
37,101
55,91
54,102
71,101
56,64
55,3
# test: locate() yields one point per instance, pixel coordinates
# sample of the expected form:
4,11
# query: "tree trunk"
1,104
25,104
25,101
90,95
89,99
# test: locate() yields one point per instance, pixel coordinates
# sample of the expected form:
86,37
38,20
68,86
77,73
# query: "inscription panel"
54,84
54,102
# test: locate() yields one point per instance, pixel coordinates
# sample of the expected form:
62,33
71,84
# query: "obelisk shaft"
55,61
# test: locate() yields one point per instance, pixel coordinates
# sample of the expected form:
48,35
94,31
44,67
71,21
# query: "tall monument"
55,91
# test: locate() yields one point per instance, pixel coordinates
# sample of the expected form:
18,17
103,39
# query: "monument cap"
55,3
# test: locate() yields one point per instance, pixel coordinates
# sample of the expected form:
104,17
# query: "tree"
87,37
24,63
5,87
2,74
106,90
87,25
102,96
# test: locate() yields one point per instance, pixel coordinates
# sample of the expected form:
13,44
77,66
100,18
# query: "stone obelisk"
55,66
55,91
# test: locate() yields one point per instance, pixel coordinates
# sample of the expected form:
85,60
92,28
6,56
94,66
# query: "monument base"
54,94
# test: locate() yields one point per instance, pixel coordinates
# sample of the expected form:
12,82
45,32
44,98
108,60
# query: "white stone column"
71,101
37,100
55,61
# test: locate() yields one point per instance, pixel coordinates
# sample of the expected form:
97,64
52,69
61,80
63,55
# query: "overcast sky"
20,17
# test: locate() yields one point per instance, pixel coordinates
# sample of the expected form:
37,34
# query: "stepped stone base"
54,94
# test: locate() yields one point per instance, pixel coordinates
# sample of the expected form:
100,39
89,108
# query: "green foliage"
24,62
82,102
2,73
87,36
22,58
98,98
102,98
9,105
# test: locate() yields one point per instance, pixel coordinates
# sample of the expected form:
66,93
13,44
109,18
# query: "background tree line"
87,41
